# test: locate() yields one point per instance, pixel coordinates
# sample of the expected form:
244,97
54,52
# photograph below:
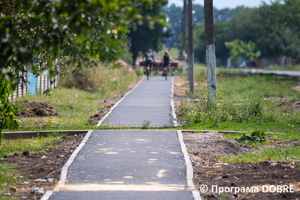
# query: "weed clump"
255,136
101,79
241,109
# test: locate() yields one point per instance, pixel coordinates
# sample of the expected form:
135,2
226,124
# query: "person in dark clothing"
166,59
149,59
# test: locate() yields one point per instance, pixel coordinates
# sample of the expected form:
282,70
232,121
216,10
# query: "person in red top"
149,59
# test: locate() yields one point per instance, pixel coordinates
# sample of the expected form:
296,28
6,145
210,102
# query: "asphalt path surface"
127,164
148,104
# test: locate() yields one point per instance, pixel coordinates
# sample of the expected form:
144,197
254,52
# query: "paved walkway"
150,101
131,164
127,164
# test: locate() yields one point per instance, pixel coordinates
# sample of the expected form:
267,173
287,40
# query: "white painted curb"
107,114
172,105
189,168
64,170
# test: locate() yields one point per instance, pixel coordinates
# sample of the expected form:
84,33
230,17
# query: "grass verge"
81,96
248,102
283,154
244,102
8,175
10,147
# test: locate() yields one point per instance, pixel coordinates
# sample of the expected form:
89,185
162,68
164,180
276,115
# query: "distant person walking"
149,59
166,59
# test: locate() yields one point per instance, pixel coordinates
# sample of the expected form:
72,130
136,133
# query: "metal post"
184,23
210,50
191,46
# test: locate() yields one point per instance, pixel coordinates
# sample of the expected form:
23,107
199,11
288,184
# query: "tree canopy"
142,36
46,30
240,49
273,28
174,16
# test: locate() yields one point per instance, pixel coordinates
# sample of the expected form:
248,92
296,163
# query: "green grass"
75,107
287,135
11,147
233,83
242,108
284,154
80,97
8,177
286,68
276,127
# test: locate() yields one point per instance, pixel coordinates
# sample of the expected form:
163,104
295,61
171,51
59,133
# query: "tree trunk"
134,57
191,46
184,27
210,51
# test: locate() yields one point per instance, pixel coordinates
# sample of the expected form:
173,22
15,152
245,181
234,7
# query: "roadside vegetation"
244,102
9,176
285,68
81,95
265,148
10,147
283,154
251,103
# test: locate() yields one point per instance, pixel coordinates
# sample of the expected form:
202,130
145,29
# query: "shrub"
102,79
255,136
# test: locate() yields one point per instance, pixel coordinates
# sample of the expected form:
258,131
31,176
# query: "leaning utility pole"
184,12
191,46
210,50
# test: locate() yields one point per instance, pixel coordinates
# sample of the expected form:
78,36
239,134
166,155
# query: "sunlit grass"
285,68
10,147
8,177
239,95
284,154
75,105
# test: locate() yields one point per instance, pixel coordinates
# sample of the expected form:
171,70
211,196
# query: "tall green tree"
144,36
240,49
223,32
46,30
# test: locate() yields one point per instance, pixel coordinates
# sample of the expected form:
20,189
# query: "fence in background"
37,85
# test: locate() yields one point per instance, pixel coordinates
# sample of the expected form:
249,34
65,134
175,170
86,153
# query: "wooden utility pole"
210,50
184,13
191,46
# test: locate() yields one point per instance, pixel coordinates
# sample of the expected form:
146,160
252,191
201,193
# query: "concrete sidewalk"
150,101
127,164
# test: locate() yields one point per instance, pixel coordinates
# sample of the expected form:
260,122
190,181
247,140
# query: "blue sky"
225,4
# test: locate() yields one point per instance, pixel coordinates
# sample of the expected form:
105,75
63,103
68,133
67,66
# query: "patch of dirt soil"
34,166
292,105
275,143
206,148
108,104
181,86
35,109
297,88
